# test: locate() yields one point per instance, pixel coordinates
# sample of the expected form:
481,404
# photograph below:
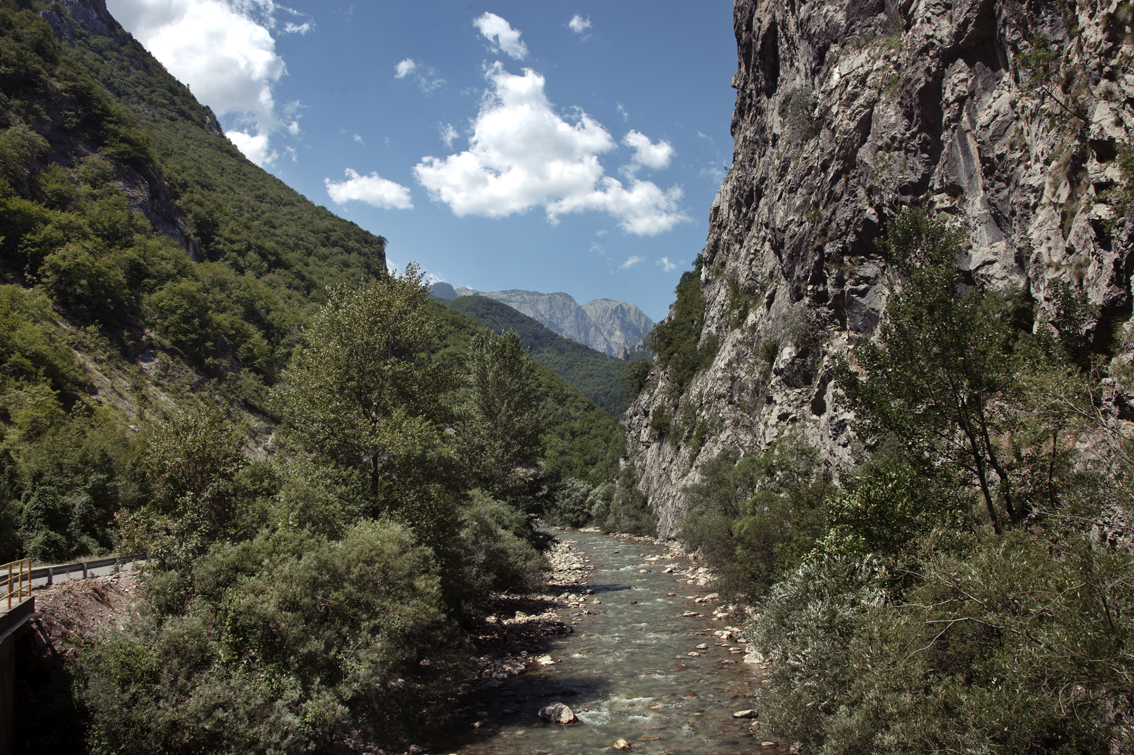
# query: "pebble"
750,713
622,744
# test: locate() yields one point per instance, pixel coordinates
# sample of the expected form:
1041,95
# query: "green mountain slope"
146,267
596,375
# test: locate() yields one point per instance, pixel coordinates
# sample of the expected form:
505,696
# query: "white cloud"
358,140
578,24
523,154
427,78
666,265
502,35
403,69
656,156
631,262
293,128
253,146
449,135
224,50
372,189
622,111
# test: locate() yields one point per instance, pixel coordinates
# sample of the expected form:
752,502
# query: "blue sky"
542,146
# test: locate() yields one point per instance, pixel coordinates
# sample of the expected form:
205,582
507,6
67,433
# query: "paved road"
99,572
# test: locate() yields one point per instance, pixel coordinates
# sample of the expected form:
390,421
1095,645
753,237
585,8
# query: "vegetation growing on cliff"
961,590
677,341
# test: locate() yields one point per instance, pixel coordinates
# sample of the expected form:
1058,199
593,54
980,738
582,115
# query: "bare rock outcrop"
848,110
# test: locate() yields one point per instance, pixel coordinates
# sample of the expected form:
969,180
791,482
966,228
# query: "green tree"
503,424
939,369
362,391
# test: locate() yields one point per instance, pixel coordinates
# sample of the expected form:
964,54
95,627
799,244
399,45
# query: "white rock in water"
622,744
744,714
558,713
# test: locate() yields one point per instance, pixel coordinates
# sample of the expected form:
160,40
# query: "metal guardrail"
20,571
58,570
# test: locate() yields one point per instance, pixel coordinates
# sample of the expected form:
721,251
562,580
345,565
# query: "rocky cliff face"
612,327
1012,117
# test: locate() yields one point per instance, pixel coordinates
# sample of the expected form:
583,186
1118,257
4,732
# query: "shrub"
569,507
999,644
754,518
295,643
808,620
496,554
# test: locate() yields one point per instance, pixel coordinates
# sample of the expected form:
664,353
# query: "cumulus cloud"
224,50
666,265
372,189
578,24
502,36
255,147
655,156
631,262
523,154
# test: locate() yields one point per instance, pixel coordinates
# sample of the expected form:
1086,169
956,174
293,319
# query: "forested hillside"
332,473
596,375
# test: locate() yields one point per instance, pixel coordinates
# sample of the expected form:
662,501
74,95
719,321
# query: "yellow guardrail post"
19,572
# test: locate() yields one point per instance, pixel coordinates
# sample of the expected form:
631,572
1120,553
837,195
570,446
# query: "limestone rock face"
846,111
612,327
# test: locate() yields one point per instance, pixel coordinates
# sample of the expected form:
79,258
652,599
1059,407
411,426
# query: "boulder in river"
622,744
558,713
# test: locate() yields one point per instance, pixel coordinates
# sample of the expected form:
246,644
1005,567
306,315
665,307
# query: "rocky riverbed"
630,641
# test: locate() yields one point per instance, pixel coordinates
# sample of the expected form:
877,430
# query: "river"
642,664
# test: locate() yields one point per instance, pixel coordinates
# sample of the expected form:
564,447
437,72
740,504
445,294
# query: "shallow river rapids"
642,664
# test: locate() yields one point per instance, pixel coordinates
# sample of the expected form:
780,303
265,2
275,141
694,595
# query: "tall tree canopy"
362,390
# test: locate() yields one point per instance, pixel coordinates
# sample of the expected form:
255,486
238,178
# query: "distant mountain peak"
612,327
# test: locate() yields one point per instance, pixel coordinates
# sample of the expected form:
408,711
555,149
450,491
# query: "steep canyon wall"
1013,118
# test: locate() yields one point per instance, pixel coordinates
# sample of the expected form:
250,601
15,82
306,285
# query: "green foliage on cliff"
676,341
966,588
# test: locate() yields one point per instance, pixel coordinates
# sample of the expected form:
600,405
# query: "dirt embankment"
77,612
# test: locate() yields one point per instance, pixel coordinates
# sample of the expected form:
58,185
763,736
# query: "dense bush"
569,506
499,556
293,643
956,599
622,507
999,644
757,517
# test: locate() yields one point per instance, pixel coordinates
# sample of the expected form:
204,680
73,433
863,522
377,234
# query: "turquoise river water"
630,670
